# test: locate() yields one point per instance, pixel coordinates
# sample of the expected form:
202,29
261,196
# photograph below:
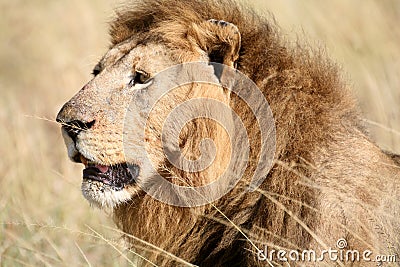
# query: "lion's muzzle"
113,176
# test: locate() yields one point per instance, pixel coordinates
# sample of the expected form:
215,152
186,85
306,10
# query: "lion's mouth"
117,176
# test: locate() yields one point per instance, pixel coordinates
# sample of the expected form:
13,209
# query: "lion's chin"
105,196
107,186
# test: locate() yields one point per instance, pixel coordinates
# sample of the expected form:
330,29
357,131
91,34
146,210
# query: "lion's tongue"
102,168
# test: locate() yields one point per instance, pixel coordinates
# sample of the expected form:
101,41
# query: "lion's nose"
74,118
73,128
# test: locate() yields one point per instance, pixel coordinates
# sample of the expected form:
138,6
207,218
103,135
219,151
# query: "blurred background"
47,51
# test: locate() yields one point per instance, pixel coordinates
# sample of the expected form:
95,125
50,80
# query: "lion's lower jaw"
103,196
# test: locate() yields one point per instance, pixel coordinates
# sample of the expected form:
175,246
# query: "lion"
328,181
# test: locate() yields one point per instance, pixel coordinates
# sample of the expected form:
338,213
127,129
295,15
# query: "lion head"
115,125
112,106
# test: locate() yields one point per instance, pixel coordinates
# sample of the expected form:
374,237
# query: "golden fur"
328,181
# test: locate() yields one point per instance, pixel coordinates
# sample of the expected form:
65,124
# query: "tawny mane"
328,181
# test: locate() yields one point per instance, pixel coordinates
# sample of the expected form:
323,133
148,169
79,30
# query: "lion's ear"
220,39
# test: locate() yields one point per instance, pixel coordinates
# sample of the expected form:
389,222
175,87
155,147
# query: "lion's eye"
96,70
139,77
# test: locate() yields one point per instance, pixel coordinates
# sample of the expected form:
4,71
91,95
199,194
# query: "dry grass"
47,51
